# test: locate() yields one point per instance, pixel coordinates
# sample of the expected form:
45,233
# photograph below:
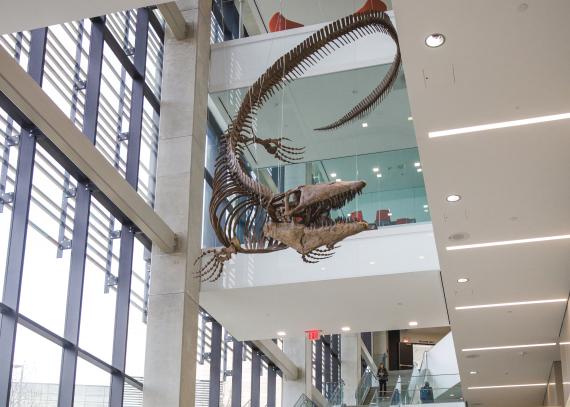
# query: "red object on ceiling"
279,23
372,5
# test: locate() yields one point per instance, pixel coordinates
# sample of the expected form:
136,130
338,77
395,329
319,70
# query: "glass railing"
409,387
394,194
304,401
334,393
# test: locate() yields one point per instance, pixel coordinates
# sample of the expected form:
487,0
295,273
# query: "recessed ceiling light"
372,263
410,118
435,40
364,124
378,175
419,170
338,180
533,345
281,333
375,169
333,174
453,198
389,213
507,242
345,329
426,210
425,206
473,372
323,269
509,304
417,164
413,323
422,257
499,125
463,280
506,386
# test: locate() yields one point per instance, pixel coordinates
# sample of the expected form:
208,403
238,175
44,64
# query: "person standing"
382,375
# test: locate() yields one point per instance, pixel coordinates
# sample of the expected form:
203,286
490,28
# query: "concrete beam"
33,102
174,19
318,398
279,359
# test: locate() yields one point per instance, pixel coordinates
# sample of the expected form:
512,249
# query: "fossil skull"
307,223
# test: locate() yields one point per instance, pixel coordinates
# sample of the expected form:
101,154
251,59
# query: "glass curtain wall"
74,278
231,373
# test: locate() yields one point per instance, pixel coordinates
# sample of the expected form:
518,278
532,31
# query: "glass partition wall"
379,149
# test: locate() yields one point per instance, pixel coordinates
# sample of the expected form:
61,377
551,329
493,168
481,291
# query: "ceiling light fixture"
378,175
564,343
413,323
417,164
410,118
453,198
364,124
372,263
338,180
499,125
510,304
419,170
473,372
425,206
533,345
333,174
281,333
389,213
345,329
462,280
506,386
435,40
375,169
507,242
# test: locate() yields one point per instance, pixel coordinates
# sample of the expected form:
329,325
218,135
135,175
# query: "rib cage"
238,199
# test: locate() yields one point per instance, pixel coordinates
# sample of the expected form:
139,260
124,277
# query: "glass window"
47,257
263,384
35,374
278,390
136,340
99,285
92,385
246,376
203,364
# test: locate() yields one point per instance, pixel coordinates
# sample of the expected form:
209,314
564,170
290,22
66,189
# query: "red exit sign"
313,334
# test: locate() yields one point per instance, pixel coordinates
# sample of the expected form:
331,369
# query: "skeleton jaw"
305,239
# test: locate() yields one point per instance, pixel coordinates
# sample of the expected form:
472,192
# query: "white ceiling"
375,303
29,14
502,61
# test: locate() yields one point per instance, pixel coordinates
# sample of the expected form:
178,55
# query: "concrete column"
296,350
350,366
170,366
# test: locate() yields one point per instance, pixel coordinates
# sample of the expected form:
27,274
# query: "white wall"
565,357
397,249
442,365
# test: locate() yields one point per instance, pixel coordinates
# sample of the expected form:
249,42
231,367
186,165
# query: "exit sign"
313,334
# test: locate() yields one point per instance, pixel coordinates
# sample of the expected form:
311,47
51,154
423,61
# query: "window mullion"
81,226
19,227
